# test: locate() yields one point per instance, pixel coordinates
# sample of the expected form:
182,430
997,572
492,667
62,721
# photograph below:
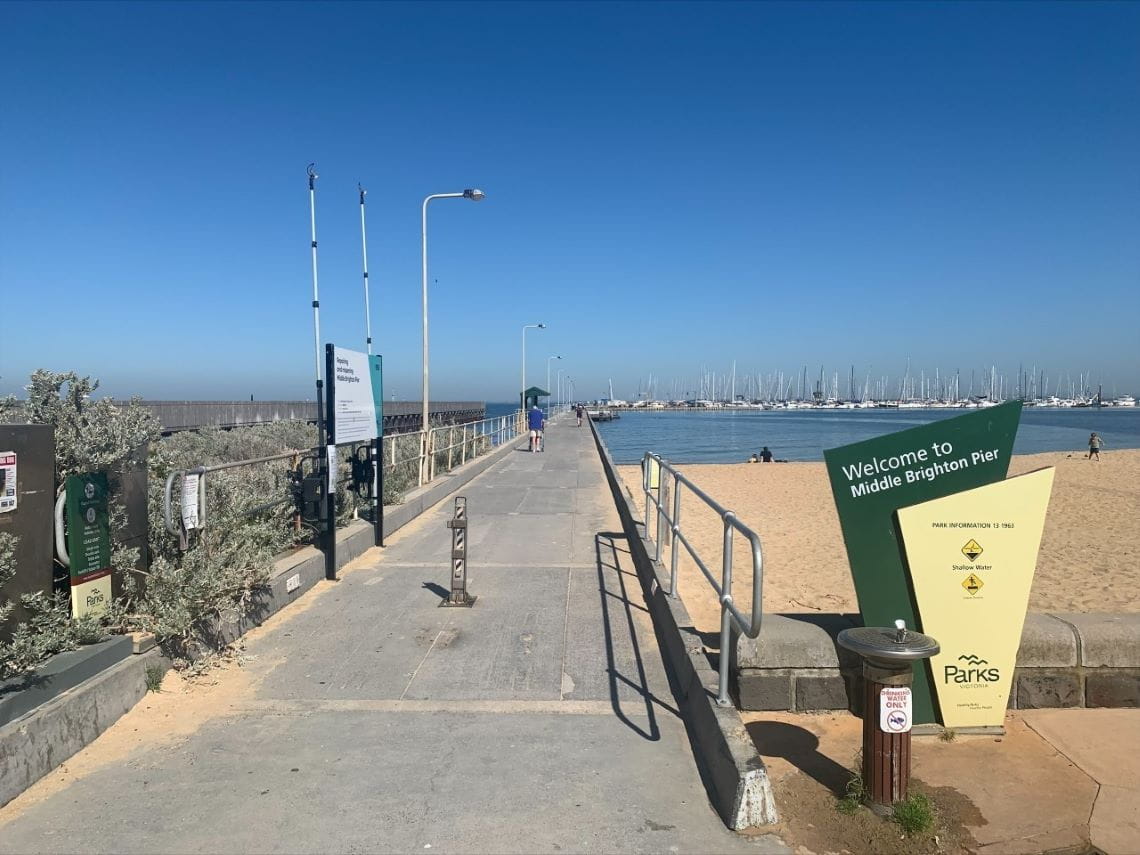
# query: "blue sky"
669,186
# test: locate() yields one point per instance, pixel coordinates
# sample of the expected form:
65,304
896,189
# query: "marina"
731,434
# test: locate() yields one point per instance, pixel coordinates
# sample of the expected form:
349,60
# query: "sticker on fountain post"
894,709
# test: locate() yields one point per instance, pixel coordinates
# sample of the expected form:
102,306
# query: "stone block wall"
1065,660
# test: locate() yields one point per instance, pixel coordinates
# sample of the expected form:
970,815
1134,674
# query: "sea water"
730,436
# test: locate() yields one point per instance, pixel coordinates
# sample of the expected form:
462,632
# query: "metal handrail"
729,613
500,428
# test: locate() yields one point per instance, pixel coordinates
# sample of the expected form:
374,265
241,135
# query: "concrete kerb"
41,739
34,744
733,771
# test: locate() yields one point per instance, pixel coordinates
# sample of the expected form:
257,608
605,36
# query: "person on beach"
1095,443
766,454
754,458
535,421
578,412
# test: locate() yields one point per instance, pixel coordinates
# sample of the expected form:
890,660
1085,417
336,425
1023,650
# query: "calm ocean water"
729,437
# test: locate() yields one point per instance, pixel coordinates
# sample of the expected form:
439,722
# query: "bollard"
888,657
458,525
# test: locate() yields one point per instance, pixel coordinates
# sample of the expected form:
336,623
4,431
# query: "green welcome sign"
872,479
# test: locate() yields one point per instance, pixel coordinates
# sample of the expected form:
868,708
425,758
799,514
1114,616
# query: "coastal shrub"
90,436
249,523
177,593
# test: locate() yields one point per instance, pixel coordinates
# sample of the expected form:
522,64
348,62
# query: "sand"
1089,559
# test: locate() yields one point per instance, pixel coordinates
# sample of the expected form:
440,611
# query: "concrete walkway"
368,719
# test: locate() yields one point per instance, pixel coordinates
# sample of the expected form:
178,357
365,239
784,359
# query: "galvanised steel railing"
448,446
656,474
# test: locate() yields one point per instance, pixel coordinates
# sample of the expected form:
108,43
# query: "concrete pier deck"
368,719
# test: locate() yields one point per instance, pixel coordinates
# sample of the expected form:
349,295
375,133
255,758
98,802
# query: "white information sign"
7,481
895,712
190,501
354,408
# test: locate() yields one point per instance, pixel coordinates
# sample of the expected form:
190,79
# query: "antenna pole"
364,253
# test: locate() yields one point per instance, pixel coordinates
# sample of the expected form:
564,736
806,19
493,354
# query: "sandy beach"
1089,559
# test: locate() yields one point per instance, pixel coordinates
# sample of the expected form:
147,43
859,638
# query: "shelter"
532,395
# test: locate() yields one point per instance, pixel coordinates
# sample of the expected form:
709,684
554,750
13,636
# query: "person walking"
1095,443
578,412
535,422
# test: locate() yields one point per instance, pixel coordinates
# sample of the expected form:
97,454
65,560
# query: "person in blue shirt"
536,422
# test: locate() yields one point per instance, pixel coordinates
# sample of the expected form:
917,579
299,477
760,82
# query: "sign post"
354,413
376,363
870,480
89,543
972,556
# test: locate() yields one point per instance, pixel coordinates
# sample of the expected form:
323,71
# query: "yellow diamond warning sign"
973,584
972,550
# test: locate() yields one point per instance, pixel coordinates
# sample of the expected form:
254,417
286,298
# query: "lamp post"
522,392
548,382
558,387
475,196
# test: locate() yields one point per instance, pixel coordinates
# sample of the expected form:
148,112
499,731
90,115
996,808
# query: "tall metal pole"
316,302
522,391
424,412
328,478
548,381
376,451
364,253
316,297
475,195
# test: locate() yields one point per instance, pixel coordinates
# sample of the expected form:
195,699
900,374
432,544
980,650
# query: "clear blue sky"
669,186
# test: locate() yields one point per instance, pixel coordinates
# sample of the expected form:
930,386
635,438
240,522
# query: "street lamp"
522,394
558,387
475,196
548,380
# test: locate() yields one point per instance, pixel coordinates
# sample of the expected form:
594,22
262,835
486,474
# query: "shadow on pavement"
800,748
603,542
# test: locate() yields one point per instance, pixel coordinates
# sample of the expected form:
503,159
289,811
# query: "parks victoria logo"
971,669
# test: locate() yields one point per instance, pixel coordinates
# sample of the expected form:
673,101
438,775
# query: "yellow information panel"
972,556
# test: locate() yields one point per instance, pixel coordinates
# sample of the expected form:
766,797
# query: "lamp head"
474,194
542,326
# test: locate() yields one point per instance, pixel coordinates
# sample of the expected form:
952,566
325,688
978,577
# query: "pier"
367,718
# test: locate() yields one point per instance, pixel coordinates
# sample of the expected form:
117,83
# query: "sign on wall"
972,556
89,543
872,479
8,498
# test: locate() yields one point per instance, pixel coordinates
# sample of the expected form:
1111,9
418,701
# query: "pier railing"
408,460
662,485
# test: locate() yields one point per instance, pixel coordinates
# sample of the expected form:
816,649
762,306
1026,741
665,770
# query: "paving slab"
1103,743
368,719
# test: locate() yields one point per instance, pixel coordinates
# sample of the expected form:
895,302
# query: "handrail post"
645,488
674,552
660,510
722,698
